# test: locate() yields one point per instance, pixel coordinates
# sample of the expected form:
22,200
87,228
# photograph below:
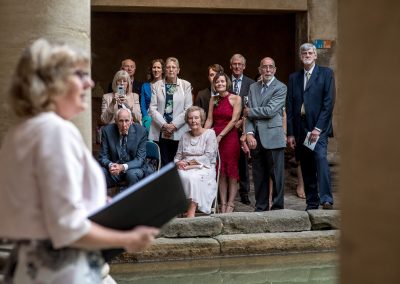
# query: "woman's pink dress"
229,148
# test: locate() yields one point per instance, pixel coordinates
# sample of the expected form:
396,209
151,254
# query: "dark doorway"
197,40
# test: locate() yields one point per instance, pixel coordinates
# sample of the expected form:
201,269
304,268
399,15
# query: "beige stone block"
187,248
270,243
192,227
262,222
324,219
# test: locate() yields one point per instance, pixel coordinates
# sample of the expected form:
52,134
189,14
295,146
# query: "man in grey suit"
240,86
265,135
123,150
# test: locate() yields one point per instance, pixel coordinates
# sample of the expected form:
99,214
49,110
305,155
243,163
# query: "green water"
283,269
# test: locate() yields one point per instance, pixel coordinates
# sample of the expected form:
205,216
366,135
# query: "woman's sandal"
230,207
222,209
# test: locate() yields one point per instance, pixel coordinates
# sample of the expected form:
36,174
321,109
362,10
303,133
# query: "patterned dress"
199,183
229,148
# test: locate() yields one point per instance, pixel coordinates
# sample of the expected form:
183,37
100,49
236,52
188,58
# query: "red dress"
229,148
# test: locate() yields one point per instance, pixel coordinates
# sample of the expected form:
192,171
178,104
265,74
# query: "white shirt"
239,82
49,181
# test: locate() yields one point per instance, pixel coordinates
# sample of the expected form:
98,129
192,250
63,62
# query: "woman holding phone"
122,97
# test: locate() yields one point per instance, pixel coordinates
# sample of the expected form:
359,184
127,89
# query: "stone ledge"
235,245
264,222
270,243
176,248
241,223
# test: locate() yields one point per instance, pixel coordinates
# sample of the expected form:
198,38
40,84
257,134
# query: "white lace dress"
199,183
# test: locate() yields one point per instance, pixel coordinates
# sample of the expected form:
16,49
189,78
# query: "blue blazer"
318,98
111,146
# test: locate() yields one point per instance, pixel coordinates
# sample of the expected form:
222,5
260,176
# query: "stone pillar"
322,24
24,21
369,61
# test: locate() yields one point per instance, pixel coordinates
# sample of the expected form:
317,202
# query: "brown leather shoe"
327,206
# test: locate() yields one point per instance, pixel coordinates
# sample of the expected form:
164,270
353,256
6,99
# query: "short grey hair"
172,59
193,109
238,56
42,74
307,46
121,110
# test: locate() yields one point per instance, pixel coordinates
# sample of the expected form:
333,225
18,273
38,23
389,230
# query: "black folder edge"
156,220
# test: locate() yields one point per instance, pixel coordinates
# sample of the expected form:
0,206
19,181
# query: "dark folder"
153,201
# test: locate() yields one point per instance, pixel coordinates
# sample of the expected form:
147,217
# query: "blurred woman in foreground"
50,181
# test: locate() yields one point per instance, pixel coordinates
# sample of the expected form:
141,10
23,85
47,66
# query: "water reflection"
298,268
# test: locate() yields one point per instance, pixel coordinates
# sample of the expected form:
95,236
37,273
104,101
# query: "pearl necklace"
194,140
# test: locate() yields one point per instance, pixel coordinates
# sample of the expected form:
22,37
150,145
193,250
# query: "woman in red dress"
224,112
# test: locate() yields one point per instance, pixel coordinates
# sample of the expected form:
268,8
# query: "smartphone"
121,90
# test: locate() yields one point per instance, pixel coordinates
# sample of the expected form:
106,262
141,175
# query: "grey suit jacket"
266,113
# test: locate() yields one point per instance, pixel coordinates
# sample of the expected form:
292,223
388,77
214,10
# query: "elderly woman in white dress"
50,182
195,159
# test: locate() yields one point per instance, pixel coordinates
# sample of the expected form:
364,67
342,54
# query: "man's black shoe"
245,199
327,206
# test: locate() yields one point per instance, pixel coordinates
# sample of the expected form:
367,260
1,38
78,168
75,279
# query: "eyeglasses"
82,74
266,67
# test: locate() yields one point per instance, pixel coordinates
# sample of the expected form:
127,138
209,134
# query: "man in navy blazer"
310,101
240,86
119,164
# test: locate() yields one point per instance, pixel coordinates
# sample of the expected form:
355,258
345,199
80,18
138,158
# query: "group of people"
249,118
59,183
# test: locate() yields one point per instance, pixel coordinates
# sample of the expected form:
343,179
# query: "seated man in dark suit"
123,150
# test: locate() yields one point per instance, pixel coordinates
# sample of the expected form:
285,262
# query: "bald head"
129,66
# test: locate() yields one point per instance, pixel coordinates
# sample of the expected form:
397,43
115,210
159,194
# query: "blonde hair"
121,74
41,75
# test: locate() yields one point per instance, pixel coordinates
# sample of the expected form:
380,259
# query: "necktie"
308,75
264,89
236,86
124,149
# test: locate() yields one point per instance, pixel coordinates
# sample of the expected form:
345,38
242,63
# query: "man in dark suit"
265,135
240,86
123,150
203,97
129,65
311,97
